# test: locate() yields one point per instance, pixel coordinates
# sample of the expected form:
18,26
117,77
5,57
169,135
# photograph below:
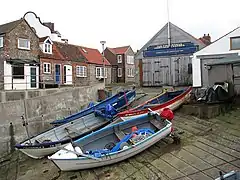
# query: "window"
130,59
48,48
23,44
119,58
81,71
47,68
130,72
99,72
1,41
119,72
18,71
235,43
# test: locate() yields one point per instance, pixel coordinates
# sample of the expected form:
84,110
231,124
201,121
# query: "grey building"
166,58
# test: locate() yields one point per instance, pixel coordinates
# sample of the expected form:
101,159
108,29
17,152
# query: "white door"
67,74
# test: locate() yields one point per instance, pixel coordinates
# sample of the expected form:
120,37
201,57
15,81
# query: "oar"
80,154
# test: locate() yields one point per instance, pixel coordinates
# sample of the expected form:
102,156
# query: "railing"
21,82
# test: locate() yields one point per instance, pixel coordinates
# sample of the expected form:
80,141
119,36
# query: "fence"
21,82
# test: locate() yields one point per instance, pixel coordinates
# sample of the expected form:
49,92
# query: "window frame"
119,60
101,72
130,59
130,72
231,47
24,48
18,76
46,72
1,40
79,73
49,47
119,74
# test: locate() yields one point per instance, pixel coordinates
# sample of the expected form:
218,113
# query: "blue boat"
75,126
118,102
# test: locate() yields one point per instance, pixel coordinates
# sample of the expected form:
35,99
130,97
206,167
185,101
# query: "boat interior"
109,137
68,131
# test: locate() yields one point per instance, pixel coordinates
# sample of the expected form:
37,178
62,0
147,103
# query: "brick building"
122,61
19,50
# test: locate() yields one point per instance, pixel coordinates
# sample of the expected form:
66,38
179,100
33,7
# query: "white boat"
113,143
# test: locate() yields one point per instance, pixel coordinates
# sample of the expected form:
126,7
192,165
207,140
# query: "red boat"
171,100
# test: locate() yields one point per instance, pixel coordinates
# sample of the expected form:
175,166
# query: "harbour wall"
39,108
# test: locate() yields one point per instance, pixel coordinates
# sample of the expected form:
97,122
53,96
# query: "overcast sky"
127,22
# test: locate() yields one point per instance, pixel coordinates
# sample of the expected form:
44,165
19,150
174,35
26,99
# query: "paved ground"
207,147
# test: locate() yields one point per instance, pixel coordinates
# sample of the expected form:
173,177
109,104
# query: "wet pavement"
207,147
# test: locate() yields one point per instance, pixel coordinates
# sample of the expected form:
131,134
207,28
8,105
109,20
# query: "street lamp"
103,42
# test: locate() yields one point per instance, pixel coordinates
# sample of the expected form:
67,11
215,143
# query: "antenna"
169,35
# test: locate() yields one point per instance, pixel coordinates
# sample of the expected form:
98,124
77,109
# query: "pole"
103,65
103,42
169,35
25,124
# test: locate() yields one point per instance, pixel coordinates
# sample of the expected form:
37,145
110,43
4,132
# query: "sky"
127,22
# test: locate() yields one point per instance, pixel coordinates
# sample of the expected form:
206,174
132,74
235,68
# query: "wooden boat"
47,142
171,100
112,144
118,101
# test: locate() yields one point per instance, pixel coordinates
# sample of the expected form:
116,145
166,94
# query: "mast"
169,34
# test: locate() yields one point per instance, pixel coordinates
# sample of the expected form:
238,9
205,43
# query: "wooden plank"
158,124
73,130
120,134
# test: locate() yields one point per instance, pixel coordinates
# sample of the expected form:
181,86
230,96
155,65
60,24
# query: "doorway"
67,74
33,79
57,73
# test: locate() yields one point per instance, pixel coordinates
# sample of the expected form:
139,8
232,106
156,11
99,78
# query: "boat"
171,100
113,144
232,175
48,142
118,101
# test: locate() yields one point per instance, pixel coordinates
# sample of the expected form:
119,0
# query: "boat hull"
79,164
38,153
172,104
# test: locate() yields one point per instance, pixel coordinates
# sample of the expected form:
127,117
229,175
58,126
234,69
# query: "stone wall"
39,111
23,30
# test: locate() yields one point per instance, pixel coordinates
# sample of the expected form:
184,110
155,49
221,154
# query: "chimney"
206,39
49,25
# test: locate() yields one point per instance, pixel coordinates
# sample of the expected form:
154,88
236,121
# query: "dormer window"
48,48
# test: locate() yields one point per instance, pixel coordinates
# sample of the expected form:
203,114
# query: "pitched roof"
161,30
119,50
69,52
93,56
42,39
5,28
55,54
219,38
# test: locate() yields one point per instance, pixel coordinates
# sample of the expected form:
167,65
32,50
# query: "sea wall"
39,111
